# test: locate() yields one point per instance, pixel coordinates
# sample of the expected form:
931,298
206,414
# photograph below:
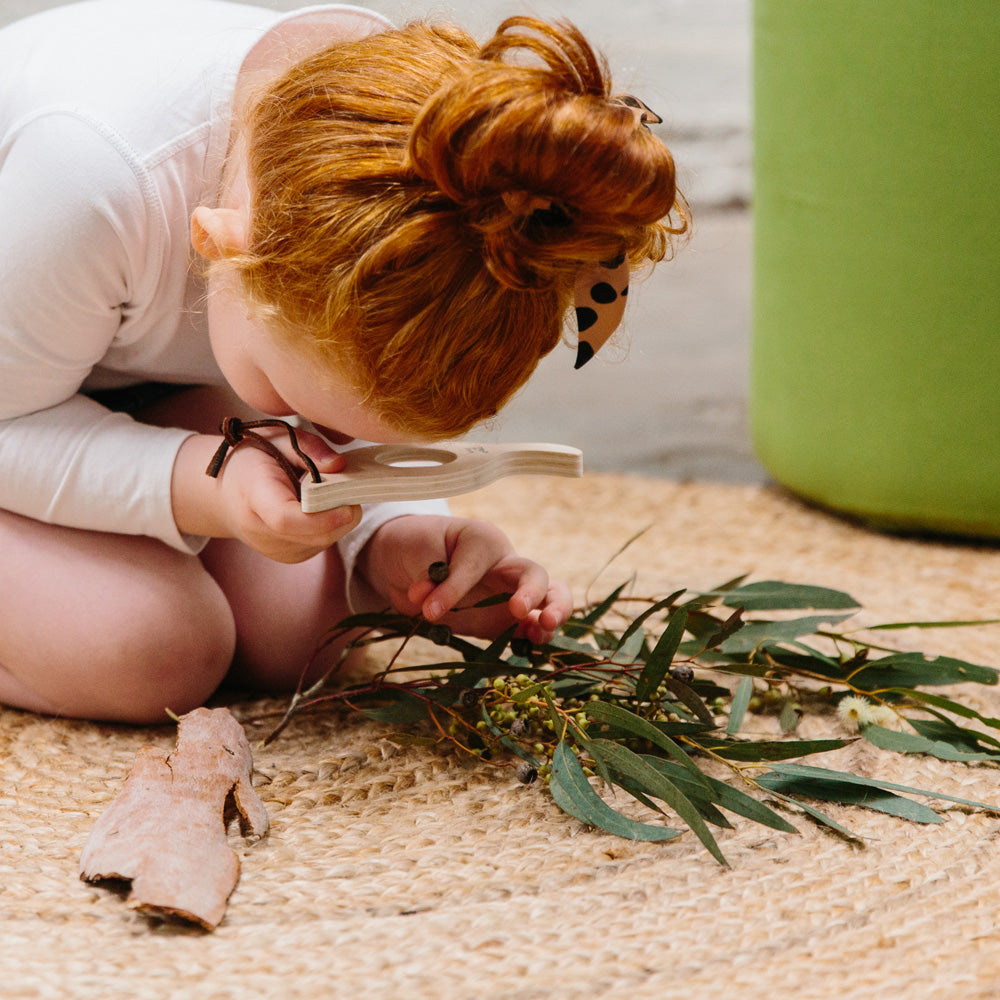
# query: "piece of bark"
165,832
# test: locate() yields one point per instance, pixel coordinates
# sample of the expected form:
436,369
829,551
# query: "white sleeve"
360,595
77,233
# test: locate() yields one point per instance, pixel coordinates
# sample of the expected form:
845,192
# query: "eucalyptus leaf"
773,595
493,600
662,656
756,634
573,793
702,796
654,783
629,652
628,722
745,805
889,739
767,750
496,649
943,624
712,596
847,794
690,699
638,622
729,627
741,699
915,670
405,709
808,770
816,814
788,720
596,613
942,728
948,705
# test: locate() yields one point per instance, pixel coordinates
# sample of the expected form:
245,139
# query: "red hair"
379,228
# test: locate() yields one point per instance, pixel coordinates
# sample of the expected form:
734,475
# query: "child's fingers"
326,458
532,590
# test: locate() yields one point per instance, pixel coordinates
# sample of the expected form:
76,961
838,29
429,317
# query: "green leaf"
712,596
573,794
622,718
756,634
629,651
822,772
942,728
955,624
702,796
565,642
689,698
620,758
637,623
771,595
789,718
558,722
889,739
526,693
496,649
820,817
948,705
729,627
745,805
851,794
910,670
738,709
596,613
493,600
662,656
768,750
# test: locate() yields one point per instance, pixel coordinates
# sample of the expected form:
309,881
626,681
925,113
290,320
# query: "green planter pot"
875,384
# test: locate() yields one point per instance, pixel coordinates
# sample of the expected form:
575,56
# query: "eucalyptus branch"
645,705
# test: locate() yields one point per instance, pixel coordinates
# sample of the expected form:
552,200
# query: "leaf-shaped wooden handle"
422,472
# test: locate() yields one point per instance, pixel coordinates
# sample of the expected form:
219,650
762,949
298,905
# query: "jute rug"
406,873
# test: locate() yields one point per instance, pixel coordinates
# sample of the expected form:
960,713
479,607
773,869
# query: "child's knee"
176,652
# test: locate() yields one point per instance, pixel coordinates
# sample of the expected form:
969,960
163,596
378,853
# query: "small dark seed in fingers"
438,572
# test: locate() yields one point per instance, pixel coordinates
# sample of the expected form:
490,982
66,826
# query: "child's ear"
217,232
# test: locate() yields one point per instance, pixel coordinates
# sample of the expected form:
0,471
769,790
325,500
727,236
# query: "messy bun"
396,184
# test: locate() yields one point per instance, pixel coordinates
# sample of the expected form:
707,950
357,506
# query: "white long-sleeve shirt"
114,122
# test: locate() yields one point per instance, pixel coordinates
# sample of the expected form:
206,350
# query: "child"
391,224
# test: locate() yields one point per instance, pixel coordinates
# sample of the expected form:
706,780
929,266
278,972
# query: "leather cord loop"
236,432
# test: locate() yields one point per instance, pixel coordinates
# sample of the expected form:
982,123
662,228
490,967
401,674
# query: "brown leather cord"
236,432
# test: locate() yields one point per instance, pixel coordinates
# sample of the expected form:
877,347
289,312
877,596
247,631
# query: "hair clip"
599,295
643,113
600,289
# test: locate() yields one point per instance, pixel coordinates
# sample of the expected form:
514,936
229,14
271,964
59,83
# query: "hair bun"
542,167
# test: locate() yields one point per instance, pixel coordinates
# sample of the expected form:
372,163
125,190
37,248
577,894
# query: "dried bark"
165,832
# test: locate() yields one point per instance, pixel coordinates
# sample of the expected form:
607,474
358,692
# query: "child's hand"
481,563
253,501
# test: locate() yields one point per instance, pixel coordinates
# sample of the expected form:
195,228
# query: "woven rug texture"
412,873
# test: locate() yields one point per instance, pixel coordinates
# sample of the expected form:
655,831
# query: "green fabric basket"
875,386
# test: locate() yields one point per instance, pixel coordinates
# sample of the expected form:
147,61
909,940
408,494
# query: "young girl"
208,209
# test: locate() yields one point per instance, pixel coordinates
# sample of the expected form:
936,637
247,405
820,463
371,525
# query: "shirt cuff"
361,596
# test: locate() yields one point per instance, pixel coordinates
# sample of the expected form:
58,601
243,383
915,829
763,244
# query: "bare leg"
281,611
117,627
106,626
